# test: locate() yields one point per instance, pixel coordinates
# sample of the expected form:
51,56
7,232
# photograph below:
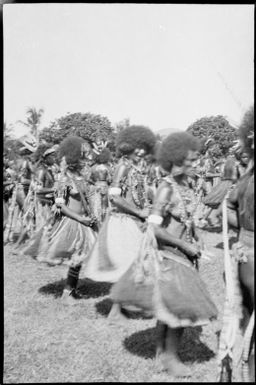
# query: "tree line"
96,128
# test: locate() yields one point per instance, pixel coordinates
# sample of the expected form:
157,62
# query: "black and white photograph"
128,192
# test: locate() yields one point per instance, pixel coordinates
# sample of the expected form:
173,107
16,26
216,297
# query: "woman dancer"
37,205
120,236
241,216
100,180
164,280
70,237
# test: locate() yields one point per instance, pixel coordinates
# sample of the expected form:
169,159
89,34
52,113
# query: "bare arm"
125,207
73,215
163,196
115,194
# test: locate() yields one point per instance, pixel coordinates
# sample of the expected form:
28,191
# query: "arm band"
60,201
156,219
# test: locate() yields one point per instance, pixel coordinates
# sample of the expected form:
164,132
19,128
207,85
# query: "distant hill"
167,131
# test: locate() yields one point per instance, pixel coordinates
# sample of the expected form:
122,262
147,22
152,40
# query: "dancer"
37,206
19,192
120,236
164,280
100,180
214,199
241,217
243,159
70,236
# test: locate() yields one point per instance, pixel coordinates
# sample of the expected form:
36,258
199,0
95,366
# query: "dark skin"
86,221
168,339
164,194
241,216
71,213
120,202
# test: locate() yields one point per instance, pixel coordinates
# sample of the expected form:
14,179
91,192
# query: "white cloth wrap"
115,191
156,219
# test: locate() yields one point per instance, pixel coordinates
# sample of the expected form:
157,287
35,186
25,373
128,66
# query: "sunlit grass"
45,341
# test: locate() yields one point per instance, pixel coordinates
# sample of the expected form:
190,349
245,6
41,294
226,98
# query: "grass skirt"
68,242
176,296
116,248
6,212
98,199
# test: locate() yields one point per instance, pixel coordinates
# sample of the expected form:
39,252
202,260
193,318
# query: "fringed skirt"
175,294
116,248
98,199
43,217
67,242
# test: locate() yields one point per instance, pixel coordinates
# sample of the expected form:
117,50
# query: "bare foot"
175,367
68,300
117,319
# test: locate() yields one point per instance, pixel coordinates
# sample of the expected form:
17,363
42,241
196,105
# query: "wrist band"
59,201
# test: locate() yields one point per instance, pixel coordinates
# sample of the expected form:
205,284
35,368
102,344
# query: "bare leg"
171,360
115,315
252,366
21,239
161,330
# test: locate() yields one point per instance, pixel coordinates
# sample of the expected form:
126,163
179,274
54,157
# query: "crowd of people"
132,219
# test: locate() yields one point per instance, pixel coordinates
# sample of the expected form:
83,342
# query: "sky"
163,66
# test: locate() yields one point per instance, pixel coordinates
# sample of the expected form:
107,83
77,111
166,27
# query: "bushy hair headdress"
73,148
174,149
135,137
104,156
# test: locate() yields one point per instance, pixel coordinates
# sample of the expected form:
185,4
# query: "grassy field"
45,341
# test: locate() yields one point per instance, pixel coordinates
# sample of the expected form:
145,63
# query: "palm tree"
8,131
33,120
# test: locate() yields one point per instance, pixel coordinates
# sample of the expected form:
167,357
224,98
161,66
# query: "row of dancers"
134,225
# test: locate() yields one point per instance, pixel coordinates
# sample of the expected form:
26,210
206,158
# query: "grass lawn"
45,341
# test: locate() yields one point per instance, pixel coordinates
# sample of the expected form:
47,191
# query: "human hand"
86,221
193,250
144,213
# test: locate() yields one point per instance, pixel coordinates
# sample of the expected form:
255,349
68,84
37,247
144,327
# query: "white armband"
156,219
115,191
59,201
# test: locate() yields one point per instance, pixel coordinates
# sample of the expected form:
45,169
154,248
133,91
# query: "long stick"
230,318
246,349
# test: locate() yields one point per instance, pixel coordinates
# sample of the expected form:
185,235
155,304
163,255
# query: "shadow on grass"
103,307
86,287
143,344
93,289
232,240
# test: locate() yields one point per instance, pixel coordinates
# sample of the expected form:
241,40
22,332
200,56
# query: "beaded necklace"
187,217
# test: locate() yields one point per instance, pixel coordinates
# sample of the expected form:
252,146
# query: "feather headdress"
97,148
